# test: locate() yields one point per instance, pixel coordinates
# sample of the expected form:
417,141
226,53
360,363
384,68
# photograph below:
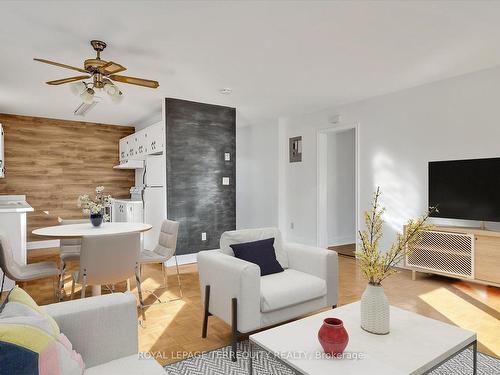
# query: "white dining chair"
165,250
108,259
20,272
69,250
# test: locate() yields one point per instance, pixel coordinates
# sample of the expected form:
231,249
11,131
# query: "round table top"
87,229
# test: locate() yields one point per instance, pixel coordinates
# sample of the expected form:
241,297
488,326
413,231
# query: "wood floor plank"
173,329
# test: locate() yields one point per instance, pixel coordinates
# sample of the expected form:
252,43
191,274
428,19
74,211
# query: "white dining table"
87,229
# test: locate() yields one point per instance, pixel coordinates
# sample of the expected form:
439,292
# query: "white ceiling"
279,58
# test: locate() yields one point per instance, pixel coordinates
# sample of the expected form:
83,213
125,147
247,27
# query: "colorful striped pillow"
30,340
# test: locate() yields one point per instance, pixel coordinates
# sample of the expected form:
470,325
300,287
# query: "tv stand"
465,253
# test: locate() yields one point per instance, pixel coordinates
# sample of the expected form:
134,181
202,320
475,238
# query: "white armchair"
233,290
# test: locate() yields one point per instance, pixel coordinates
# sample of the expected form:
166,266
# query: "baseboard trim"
346,240
183,259
42,244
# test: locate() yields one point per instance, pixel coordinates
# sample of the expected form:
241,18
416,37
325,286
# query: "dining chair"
69,250
20,272
108,259
165,250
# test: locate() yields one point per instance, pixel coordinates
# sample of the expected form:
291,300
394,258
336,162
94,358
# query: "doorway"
337,189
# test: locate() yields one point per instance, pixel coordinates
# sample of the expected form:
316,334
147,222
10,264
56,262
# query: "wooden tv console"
466,253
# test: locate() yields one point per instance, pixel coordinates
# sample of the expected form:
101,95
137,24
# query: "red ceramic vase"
332,336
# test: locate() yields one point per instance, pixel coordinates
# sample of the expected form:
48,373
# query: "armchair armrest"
101,328
316,261
230,277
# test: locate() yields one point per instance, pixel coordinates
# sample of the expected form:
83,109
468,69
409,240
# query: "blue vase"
96,219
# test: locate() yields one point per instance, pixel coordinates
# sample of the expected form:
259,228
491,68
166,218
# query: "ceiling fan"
101,73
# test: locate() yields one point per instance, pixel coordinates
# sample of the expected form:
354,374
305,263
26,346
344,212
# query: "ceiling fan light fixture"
100,75
117,98
87,96
111,89
78,87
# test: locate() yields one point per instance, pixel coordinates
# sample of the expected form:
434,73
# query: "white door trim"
321,202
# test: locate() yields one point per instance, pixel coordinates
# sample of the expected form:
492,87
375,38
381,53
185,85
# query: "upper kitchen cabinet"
145,142
123,148
155,136
128,147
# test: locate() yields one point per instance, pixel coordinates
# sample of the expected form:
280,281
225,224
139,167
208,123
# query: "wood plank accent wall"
53,161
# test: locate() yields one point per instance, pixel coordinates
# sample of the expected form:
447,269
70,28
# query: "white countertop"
87,229
126,200
14,203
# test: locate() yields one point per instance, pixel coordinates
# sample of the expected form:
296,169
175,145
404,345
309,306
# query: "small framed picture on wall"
295,146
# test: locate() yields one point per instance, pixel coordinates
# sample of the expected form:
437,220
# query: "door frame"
322,186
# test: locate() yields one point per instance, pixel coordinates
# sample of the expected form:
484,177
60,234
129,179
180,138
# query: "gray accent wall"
197,137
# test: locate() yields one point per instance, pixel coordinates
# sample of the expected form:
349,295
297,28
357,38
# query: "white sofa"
103,330
233,290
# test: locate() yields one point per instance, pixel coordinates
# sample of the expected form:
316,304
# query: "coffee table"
415,345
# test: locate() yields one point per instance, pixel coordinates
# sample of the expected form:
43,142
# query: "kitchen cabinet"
126,211
156,138
145,142
123,148
127,148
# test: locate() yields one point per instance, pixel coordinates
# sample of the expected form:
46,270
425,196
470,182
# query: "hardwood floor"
172,330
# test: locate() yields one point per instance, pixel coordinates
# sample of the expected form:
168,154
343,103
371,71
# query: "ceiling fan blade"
66,80
111,68
61,65
135,81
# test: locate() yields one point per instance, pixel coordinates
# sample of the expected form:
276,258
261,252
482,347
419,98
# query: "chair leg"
164,274
72,287
178,276
84,286
57,291
3,281
61,280
207,313
128,285
234,328
139,290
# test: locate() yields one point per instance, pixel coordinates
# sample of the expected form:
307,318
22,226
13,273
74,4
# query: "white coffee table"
415,345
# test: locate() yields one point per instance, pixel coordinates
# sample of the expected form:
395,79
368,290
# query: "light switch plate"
203,236
227,156
225,180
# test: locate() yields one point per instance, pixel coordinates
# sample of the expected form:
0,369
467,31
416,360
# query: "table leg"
250,358
96,290
474,357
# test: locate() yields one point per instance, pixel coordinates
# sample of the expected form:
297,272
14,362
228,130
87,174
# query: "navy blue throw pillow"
261,253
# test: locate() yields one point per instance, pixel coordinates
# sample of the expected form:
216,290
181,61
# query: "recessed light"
225,91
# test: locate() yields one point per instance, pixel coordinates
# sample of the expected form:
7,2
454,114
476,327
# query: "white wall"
398,135
257,175
341,197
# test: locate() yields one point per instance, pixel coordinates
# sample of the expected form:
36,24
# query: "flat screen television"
465,189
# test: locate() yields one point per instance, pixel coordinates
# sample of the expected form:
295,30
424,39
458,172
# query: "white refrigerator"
154,198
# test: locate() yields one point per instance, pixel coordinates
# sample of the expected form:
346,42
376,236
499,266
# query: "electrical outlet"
227,156
225,180
203,236
292,225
